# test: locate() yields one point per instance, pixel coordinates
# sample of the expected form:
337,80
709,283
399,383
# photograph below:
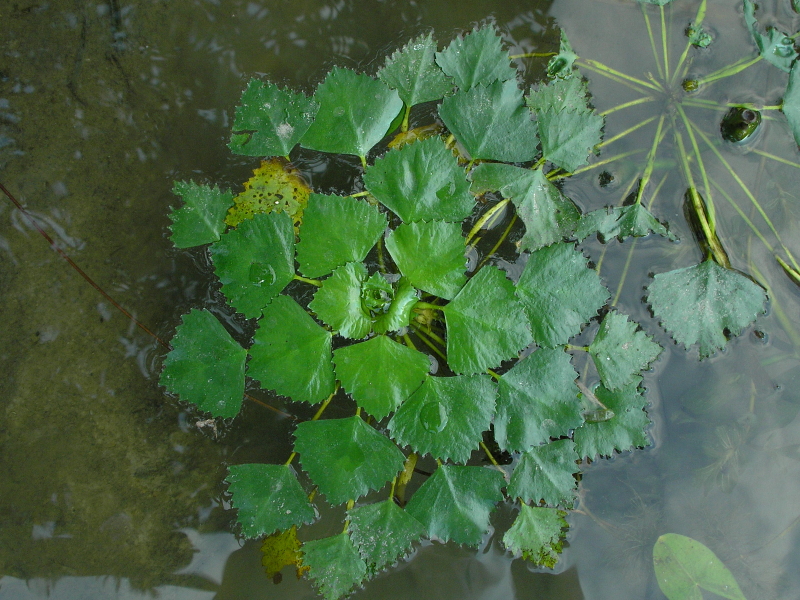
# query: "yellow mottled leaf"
280,550
275,185
414,135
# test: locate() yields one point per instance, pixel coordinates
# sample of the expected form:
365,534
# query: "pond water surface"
109,489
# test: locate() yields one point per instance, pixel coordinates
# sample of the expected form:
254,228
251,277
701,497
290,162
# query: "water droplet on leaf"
433,417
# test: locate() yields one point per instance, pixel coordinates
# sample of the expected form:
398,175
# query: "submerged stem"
618,76
643,100
729,71
628,131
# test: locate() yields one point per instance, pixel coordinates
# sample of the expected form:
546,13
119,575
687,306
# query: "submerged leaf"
446,416
477,58
279,550
270,121
255,261
621,222
485,323
537,400
414,74
537,534
455,502
355,112
559,293
380,374
334,564
548,215
206,365
569,136
624,431
335,231
620,350
705,304
684,566
491,122
383,533
346,458
421,181
430,255
545,472
200,219
791,102
291,353
268,498
275,186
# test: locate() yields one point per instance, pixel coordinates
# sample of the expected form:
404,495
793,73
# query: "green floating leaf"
775,46
380,374
355,112
698,36
546,473
485,323
625,430
383,533
537,400
621,222
537,534
255,261
270,121
704,304
335,231
548,215
414,74
559,293
569,94
338,302
346,458
421,182
401,309
620,350
560,66
791,102
455,502
492,123
569,136
334,564
206,365
268,498
201,218
684,567
477,58
430,255
291,353
446,416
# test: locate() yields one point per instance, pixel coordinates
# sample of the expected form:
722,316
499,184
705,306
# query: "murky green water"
108,489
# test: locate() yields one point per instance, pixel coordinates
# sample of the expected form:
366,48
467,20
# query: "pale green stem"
363,161
494,375
307,280
626,132
795,276
422,304
709,200
643,100
406,115
777,158
599,67
743,215
485,217
422,336
576,348
533,55
728,71
664,44
698,21
499,242
601,163
651,159
652,39
359,194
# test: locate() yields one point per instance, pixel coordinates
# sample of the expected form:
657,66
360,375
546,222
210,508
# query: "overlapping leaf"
705,303
334,564
268,498
335,231
537,400
477,58
491,122
625,430
280,550
430,255
621,222
485,323
560,66
537,534
401,309
455,502
620,350
569,136
775,46
205,365
255,261
446,416
545,472
291,353
201,218
383,533
414,74
421,182
380,374
346,458
569,94
355,112
548,215
559,293
270,121
338,302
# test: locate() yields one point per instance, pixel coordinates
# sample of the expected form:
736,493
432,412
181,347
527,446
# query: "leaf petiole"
314,282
